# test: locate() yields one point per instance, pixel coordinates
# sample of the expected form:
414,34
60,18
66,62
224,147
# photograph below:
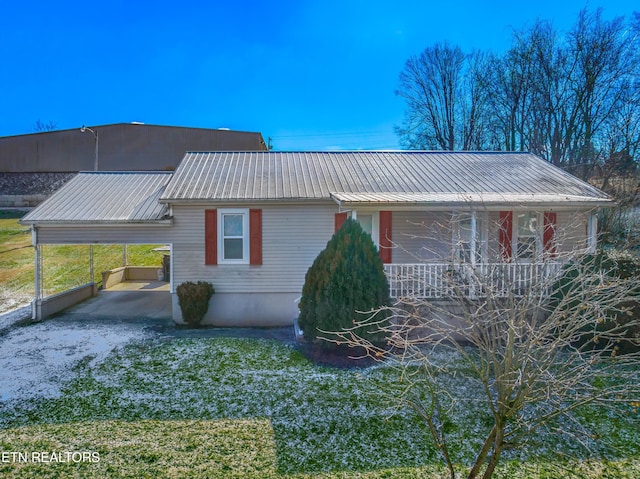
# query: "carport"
102,208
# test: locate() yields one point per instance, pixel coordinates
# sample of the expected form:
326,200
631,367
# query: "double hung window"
369,223
233,229
528,235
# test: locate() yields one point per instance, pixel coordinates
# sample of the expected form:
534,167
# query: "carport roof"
105,197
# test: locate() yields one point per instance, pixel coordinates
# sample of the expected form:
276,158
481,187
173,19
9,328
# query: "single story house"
251,223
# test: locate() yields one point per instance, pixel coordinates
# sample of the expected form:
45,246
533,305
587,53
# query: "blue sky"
312,75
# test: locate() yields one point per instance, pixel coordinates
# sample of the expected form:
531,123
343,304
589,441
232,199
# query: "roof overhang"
248,201
97,223
493,201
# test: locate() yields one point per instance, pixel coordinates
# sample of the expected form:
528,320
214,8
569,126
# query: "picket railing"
445,280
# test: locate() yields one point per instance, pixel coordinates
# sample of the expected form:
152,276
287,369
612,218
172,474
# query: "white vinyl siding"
292,237
141,234
421,236
572,231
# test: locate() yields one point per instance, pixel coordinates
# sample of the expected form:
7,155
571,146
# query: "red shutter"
506,234
385,236
549,232
339,219
255,236
211,237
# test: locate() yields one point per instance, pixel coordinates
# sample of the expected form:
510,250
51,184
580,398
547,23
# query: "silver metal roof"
390,176
105,197
462,199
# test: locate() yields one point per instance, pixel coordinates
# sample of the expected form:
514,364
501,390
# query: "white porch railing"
445,280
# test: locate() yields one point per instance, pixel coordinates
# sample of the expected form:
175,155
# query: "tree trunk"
495,457
482,455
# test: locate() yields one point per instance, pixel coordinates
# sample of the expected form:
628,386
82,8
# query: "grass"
16,264
64,266
219,407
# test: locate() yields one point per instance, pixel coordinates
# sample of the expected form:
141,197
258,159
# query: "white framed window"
233,236
369,220
528,235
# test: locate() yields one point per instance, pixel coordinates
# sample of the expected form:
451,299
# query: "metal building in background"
123,147
32,166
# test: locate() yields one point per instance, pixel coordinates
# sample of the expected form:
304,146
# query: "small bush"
625,316
345,280
194,300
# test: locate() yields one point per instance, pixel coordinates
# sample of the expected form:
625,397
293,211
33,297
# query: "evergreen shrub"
585,272
194,300
345,282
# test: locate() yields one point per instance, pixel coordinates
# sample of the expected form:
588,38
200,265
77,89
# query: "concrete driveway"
130,299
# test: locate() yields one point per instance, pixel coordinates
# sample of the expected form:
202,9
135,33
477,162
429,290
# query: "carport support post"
37,274
124,254
91,273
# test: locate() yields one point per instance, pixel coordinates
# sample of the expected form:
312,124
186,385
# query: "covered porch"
439,246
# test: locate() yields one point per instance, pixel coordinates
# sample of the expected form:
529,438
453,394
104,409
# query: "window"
528,235
369,223
233,229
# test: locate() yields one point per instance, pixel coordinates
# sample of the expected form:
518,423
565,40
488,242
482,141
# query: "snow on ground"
9,318
38,359
10,300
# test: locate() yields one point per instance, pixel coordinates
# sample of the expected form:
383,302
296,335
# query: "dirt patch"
342,357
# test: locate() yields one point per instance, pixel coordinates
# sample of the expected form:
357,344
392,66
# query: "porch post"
124,254
592,233
91,275
473,239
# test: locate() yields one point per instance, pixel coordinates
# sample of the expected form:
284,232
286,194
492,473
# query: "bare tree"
555,94
512,90
535,357
41,126
443,99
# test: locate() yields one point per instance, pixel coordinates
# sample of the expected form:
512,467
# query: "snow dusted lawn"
228,407
37,360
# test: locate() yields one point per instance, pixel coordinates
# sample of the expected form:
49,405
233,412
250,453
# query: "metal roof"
389,176
105,197
485,199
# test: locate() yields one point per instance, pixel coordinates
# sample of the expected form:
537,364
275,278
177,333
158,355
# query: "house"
252,223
